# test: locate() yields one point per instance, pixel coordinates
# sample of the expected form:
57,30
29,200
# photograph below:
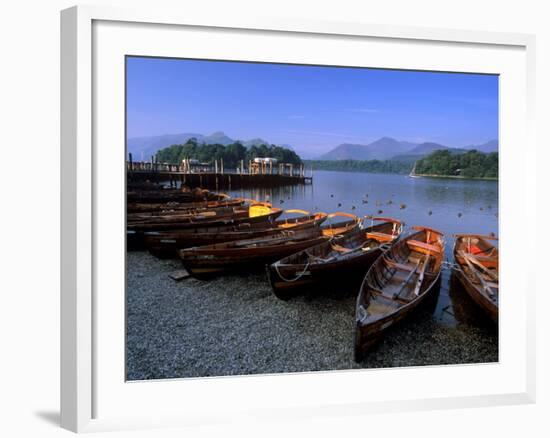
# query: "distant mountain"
426,148
387,148
145,147
421,153
347,151
218,137
254,142
490,146
381,149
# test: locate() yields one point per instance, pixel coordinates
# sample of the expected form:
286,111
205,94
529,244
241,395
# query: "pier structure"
191,173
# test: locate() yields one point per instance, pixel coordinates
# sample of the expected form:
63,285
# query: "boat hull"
340,263
474,289
167,244
135,234
292,280
205,264
404,279
367,336
490,308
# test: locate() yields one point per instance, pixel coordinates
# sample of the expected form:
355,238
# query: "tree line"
471,164
370,166
232,154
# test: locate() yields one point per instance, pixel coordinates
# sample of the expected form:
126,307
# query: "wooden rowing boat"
165,244
186,215
349,223
247,255
252,214
140,207
477,270
343,260
173,195
398,282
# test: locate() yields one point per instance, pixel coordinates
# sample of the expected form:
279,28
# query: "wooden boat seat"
487,261
390,300
423,247
400,266
381,237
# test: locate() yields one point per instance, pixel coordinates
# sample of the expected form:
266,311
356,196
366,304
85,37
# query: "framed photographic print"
258,208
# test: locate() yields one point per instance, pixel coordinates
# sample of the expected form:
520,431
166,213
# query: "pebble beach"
234,325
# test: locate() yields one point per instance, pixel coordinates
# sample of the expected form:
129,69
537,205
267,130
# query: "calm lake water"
456,206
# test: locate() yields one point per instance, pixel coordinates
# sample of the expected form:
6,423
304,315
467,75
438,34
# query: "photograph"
287,218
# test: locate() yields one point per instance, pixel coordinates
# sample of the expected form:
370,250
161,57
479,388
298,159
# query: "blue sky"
311,108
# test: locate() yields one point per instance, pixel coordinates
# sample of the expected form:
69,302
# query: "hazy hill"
385,148
381,149
490,146
217,137
254,142
148,146
347,151
388,148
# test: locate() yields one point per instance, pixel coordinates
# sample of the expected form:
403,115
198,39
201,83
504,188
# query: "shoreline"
417,175
234,325
427,175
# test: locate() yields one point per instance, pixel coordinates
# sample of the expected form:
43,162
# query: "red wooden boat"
477,270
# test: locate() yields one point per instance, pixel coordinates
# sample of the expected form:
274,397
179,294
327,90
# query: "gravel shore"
234,325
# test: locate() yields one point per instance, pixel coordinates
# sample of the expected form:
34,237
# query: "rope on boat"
290,280
449,265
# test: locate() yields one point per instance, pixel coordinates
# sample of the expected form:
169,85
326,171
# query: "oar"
476,262
482,282
406,281
420,278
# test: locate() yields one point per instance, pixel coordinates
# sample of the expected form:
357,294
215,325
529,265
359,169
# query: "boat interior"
479,260
403,273
348,245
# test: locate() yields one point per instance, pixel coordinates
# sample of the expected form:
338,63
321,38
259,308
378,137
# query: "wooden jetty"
216,177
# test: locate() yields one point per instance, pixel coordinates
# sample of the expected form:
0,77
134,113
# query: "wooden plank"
380,236
423,247
399,266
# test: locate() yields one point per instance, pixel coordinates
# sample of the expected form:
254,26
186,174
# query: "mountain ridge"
387,148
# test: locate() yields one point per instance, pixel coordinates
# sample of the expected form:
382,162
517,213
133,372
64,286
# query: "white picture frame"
93,390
